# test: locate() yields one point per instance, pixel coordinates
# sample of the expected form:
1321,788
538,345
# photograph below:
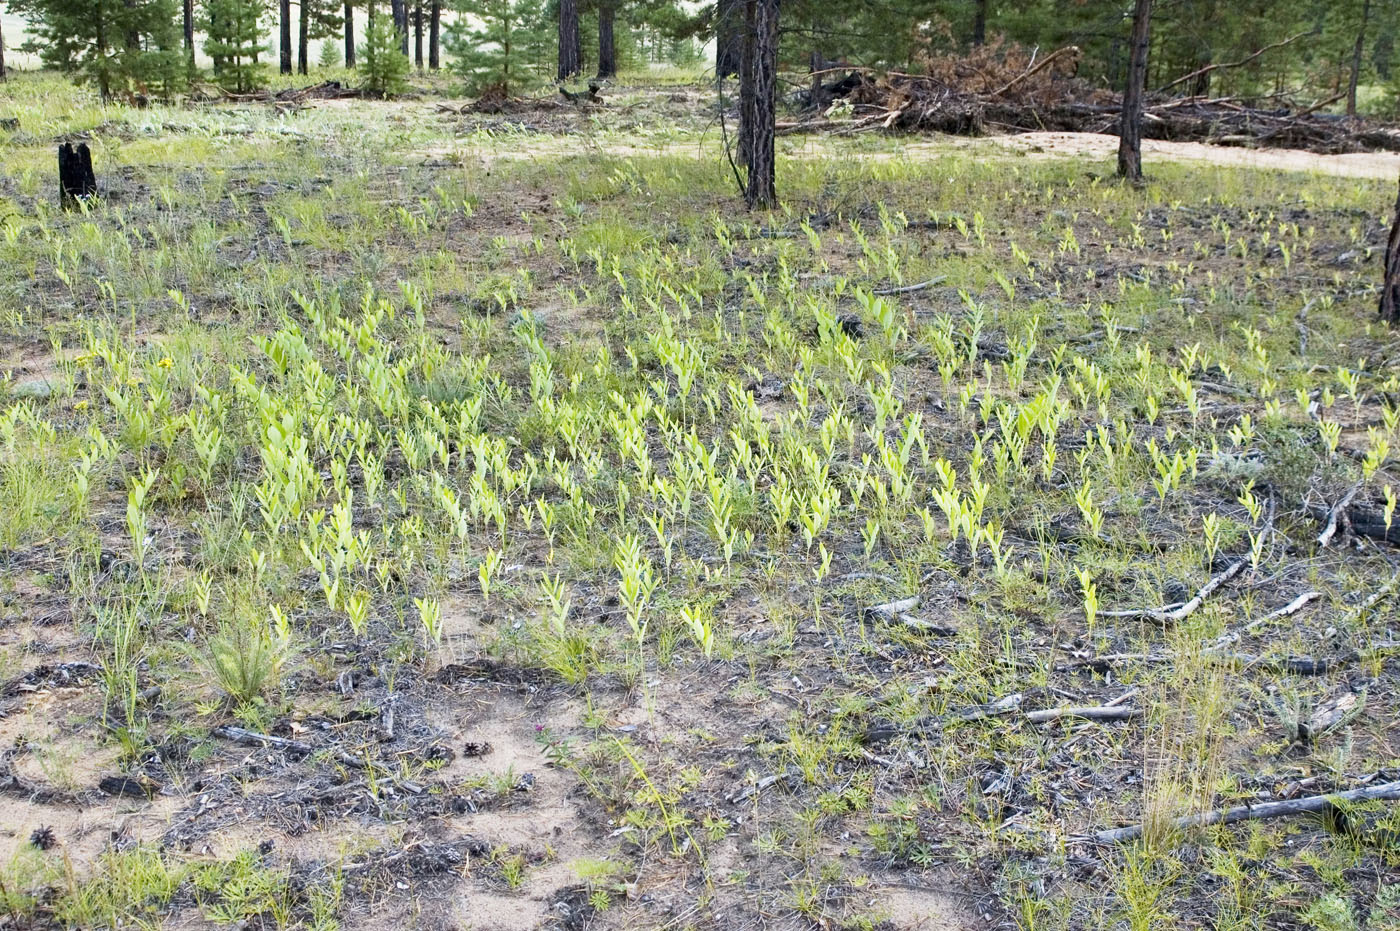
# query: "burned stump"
1390,284
76,180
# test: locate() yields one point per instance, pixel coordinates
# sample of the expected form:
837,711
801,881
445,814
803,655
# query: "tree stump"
1390,284
75,178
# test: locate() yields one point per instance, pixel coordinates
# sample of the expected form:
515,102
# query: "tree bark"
349,35
418,35
1390,283
218,62
133,34
569,46
607,46
729,37
284,37
979,23
817,94
188,23
434,29
1356,58
399,10
303,36
1130,120
75,177
761,188
746,88
3,75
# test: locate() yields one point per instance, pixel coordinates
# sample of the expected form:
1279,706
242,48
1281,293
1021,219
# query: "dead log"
76,181
1360,520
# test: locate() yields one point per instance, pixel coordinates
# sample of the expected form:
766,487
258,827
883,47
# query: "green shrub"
383,66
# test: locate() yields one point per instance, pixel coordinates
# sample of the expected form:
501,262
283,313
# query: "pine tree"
235,40
349,34
116,46
758,89
318,19
1130,119
493,42
570,54
383,65
329,56
434,34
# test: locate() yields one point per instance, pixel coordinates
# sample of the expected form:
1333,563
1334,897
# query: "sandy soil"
1096,145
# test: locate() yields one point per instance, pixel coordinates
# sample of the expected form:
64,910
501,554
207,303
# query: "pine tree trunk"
762,79
569,54
729,37
284,37
349,35
187,21
213,27
1200,87
816,96
418,35
133,34
1356,58
104,77
746,87
3,75
979,23
1130,119
434,29
607,46
304,36
399,8
1390,285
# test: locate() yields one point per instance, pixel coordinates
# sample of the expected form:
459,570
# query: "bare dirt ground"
1035,145
493,795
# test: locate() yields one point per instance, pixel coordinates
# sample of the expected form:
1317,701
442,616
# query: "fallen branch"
1313,804
1293,607
1049,60
766,782
1326,536
1293,665
249,738
927,627
1231,64
1165,616
1002,707
1100,713
893,609
911,288
932,725
1376,596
